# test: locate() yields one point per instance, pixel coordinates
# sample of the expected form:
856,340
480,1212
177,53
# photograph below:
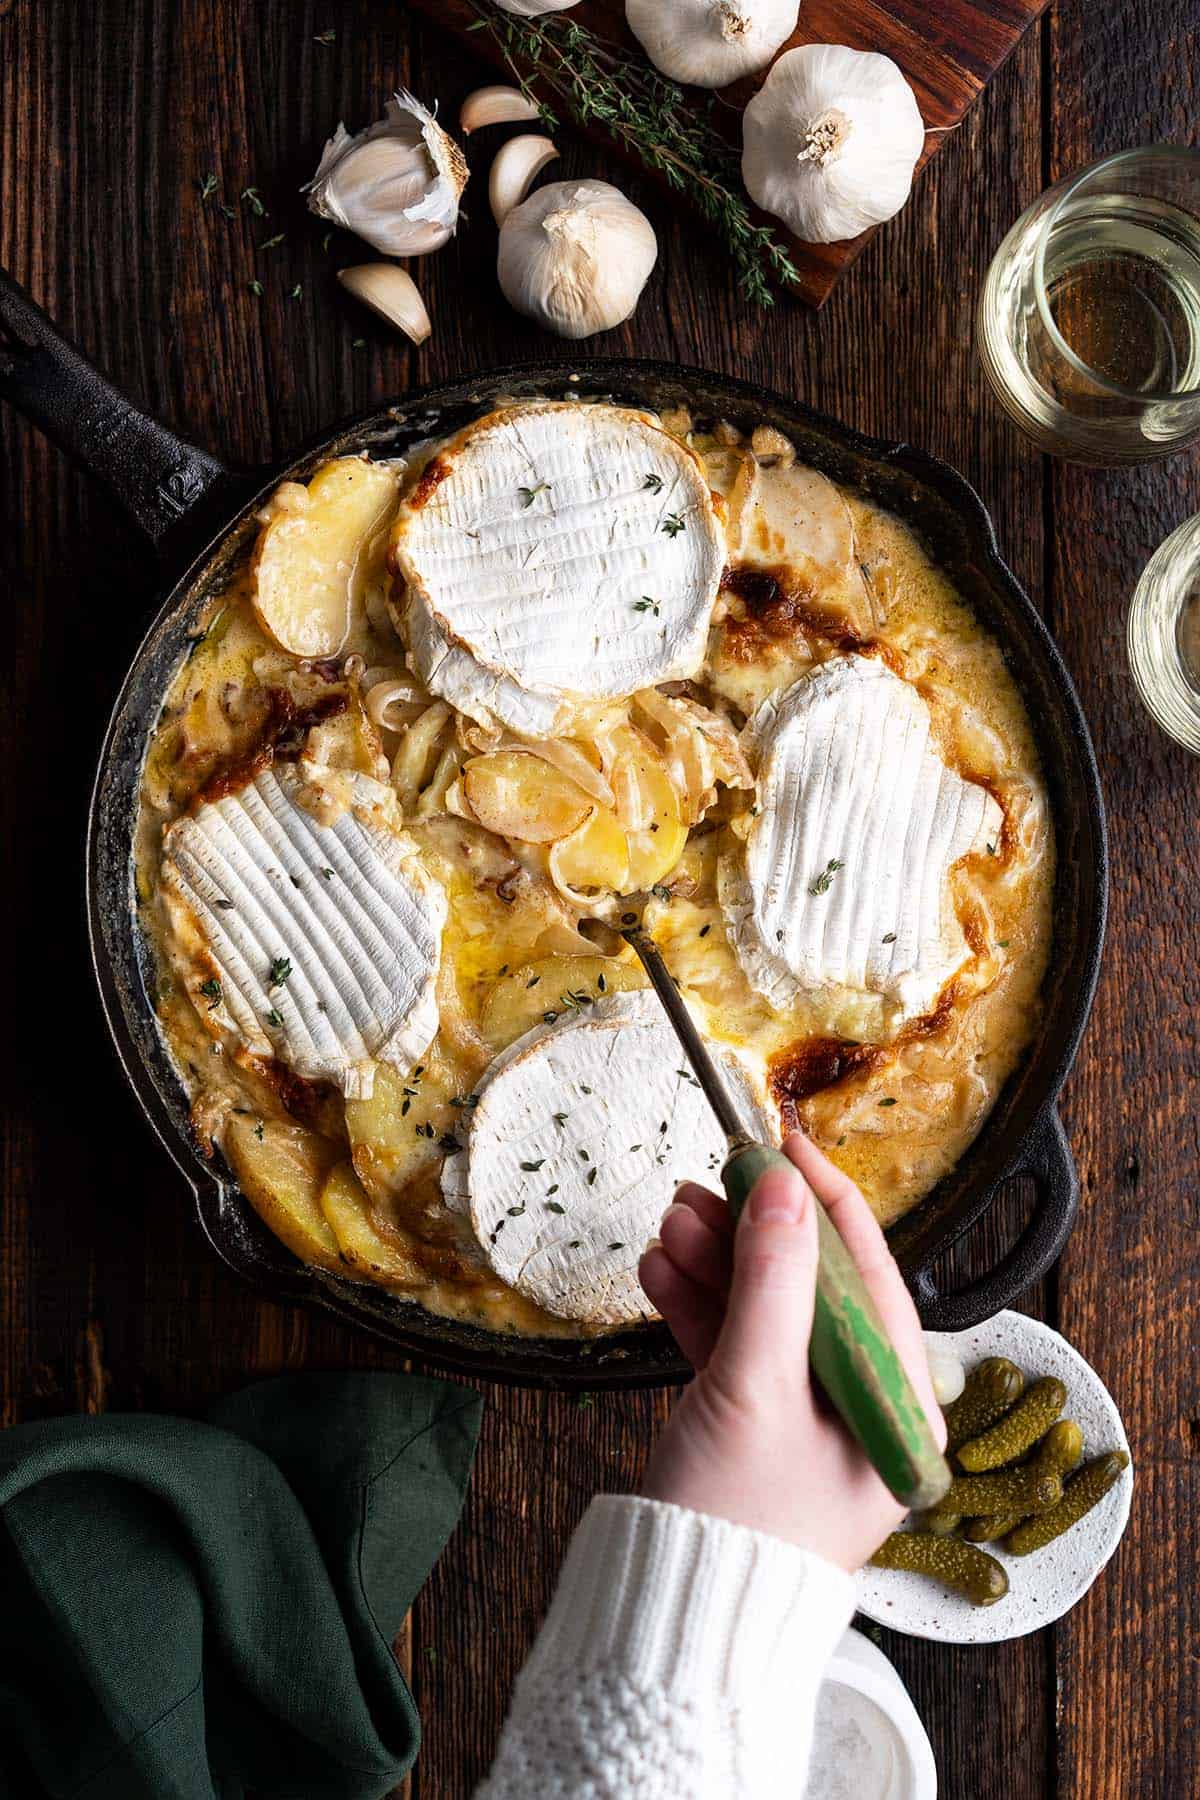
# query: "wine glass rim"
1144,396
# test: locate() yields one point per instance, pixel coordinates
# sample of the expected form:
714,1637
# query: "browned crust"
285,727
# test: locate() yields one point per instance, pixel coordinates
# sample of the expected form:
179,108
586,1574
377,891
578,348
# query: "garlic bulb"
392,293
533,9
709,43
575,257
396,184
830,141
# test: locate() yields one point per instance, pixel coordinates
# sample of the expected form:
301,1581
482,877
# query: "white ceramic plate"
1048,1582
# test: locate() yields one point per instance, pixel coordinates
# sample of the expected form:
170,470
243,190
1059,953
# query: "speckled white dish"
1047,1583
868,1742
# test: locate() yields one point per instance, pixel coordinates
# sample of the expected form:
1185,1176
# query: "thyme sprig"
603,84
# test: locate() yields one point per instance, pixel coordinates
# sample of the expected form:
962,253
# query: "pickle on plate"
1018,1430
1059,1452
960,1566
991,1388
1003,1491
942,1524
1081,1493
991,1527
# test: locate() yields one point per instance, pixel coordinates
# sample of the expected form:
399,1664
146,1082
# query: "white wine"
1122,283
1089,319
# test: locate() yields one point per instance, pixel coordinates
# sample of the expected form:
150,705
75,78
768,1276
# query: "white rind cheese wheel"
842,881
555,554
581,1132
315,943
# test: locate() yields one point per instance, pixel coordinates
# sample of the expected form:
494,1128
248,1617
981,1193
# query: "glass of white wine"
1163,635
1089,320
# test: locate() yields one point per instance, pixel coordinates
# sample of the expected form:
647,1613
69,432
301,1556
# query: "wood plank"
1130,1281
948,54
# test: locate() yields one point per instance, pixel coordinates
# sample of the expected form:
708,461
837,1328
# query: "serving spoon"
849,1350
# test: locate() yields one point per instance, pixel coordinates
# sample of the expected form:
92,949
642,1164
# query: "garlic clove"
575,257
709,43
392,293
533,9
946,1370
397,184
515,168
496,105
830,141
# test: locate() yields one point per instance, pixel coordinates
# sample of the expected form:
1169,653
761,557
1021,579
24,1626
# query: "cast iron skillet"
200,514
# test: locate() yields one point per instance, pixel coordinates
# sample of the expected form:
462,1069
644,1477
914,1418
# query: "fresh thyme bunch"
604,84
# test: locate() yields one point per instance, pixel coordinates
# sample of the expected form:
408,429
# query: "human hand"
752,1440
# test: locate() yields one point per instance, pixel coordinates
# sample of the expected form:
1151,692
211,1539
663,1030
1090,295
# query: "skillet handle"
159,479
1048,1159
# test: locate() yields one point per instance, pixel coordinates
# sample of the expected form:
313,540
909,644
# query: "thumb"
768,1320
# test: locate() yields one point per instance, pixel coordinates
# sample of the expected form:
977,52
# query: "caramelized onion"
390,702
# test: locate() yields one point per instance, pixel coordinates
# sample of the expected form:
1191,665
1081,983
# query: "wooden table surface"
111,113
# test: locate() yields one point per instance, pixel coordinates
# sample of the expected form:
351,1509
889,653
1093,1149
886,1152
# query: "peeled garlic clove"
496,105
392,294
396,184
830,141
575,257
515,168
533,9
946,1369
709,43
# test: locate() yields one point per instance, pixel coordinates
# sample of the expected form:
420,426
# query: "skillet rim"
645,1355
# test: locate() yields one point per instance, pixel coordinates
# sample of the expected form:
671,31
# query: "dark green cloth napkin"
190,1611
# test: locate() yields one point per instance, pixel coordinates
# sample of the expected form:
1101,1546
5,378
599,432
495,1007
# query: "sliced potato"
281,1169
364,1250
595,855
518,795
656,846
309,551
521,1000
389,1133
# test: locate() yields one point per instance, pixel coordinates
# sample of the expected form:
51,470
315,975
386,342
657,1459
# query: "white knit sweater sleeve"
680,1660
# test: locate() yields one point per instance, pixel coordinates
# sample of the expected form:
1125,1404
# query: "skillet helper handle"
1049,1162
852,1355
157,477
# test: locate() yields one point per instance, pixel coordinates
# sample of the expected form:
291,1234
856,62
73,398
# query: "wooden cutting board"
947,49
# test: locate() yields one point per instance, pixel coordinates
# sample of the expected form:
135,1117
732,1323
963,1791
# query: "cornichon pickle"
939,1522
1057,1454
1018,1430
1079,1496
947,1559
991,1528
1005,1491
1060,1450
991,1388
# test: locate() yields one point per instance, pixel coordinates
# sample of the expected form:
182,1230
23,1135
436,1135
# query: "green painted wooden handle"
852,1355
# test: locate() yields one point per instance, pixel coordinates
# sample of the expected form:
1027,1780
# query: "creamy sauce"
353,1185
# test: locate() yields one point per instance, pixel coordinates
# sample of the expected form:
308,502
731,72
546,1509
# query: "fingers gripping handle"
852,1356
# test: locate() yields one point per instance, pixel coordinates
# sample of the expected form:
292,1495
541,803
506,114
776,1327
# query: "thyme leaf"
824,880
